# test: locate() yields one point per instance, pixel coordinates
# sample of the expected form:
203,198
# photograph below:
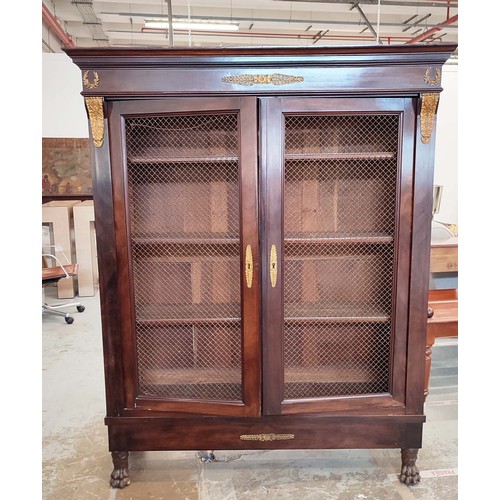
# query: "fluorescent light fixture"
192,25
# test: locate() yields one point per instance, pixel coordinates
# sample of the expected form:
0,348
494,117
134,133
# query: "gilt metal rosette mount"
248,80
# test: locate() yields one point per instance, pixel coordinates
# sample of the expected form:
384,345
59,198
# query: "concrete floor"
76,463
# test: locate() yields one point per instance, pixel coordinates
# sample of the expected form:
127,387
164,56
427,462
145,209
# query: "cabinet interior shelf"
199,239
159,159
188,313
335,313
339,238
294,238
229,375
230,313
371,155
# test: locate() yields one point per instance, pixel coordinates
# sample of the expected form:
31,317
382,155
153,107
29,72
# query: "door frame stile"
271,193
251,364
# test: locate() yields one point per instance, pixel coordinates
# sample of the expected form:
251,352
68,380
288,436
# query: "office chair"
53,275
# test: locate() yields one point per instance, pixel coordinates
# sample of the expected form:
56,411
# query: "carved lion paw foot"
409,474
119,478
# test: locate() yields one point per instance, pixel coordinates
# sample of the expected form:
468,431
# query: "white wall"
446,163
63,108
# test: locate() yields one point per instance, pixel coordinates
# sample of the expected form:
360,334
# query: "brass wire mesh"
183,195
339,227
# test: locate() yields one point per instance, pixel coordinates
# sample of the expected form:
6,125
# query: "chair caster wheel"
69,320
80,309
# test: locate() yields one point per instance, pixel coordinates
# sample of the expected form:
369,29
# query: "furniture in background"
85,248
259,214
443,303
59,215
54,274
444,253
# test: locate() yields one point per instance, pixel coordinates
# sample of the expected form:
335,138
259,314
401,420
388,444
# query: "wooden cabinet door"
184,175
336,195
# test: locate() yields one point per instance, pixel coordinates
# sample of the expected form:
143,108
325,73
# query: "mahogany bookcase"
263,222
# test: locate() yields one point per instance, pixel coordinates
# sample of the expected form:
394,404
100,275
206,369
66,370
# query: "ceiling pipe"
428,33
246,19
53,24
394,3
300,36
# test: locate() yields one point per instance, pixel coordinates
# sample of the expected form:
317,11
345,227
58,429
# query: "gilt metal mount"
266,437
91,84
432,81
274,79
95,108
427,115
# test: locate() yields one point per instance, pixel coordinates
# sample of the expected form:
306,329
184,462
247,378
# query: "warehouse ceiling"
114,23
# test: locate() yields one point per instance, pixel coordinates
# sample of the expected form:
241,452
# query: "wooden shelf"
188,314
225,375
326,374
335,313
200,239
294,238
339,238
230,313
191,376
156,158
371,155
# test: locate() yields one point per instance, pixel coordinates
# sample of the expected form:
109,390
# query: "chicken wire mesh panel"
183,193
339,227
336,360
197,361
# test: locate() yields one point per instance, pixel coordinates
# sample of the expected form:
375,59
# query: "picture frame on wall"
66,168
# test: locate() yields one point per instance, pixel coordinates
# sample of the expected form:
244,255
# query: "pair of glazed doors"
263,252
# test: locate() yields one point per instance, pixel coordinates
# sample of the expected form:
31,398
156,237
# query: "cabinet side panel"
108,277
420,264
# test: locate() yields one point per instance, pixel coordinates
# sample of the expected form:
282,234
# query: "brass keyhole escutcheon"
249,266
273,268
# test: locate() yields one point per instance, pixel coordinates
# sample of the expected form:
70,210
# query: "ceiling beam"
428,33
417,22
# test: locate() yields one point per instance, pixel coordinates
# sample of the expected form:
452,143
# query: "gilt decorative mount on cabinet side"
96,116
427,114
274,79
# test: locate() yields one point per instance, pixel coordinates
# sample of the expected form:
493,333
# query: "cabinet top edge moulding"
145,71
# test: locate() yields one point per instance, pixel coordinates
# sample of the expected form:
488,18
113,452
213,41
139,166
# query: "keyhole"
273,266
249,267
